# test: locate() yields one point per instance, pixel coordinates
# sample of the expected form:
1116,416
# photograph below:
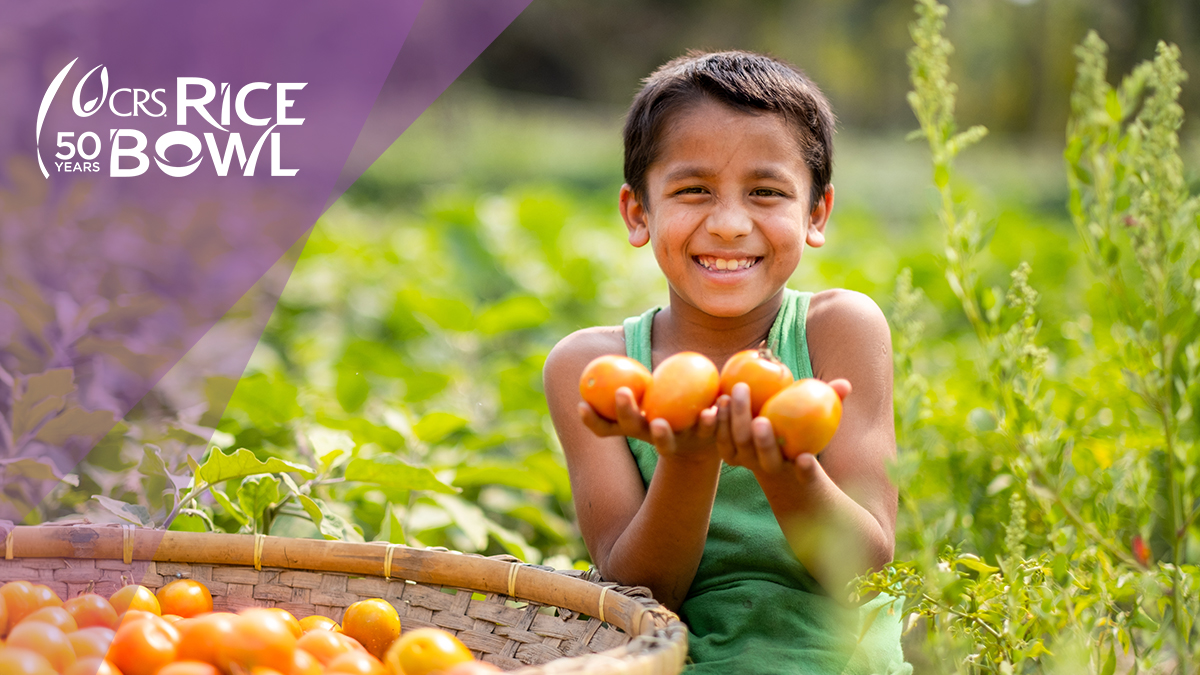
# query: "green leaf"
75,421
1112,105
134,513
515,313
390,529
973,562
389,472
331,525
268,402
42,394
227,504
221,467
352,389
257,493
192,520
437,425
496,473
941,176
1110,661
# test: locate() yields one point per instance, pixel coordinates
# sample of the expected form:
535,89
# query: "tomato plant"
759,369
804,416
683,385
425,651
606,374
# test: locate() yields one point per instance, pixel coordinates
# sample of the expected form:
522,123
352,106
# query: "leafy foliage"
1098,486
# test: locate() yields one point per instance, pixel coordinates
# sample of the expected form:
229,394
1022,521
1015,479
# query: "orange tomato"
184,597
288,619
3,617
605,375
135,597
203,637
142,647
758,368
93,641
44,639
374,623
19,599
326,645
260,638
46,597
804,416
683,385
189,668
15,661
317,621
55,616
92,666
91,609
304,663
424,651
355,663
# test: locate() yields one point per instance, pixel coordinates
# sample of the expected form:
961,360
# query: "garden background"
1043,313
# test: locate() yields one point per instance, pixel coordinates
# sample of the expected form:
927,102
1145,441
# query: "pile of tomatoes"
804,414
176,632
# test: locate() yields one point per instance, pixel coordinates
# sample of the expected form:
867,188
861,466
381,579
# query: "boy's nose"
729,221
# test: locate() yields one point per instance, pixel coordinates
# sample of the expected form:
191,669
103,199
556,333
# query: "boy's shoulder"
844,323
576,350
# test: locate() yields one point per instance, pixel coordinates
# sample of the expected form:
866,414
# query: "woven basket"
525,618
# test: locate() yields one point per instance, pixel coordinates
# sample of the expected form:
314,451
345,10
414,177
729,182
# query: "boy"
727,165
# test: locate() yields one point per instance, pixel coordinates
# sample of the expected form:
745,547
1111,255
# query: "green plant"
1068,589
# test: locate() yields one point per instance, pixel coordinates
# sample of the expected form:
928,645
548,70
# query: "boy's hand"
630,422
743,441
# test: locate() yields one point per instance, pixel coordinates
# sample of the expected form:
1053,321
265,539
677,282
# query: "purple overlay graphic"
160,167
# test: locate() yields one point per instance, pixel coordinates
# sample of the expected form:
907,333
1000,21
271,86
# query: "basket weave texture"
524,618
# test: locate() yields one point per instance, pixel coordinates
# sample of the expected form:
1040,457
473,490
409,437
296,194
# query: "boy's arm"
839,514
653,536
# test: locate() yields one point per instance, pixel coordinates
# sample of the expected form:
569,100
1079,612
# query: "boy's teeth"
726,264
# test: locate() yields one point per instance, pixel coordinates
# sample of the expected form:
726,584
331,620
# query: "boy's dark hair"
743,80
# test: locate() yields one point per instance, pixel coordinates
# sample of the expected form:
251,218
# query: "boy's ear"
818,218
633,211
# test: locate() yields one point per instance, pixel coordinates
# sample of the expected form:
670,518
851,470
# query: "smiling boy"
727,168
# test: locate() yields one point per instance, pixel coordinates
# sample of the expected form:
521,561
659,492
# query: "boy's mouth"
716,264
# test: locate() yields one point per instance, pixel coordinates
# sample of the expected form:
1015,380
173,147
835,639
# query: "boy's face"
727,208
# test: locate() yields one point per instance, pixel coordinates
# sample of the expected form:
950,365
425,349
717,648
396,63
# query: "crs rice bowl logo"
122,150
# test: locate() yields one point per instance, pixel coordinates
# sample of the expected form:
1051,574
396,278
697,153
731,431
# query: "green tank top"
752,607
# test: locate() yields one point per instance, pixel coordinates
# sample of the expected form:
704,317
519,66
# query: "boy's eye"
765,192
694,190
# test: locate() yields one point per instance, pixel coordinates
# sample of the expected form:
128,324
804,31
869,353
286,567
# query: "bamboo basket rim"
658,638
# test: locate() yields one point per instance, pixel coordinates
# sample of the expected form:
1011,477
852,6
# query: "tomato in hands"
605,375
804,416
758,368
683,385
